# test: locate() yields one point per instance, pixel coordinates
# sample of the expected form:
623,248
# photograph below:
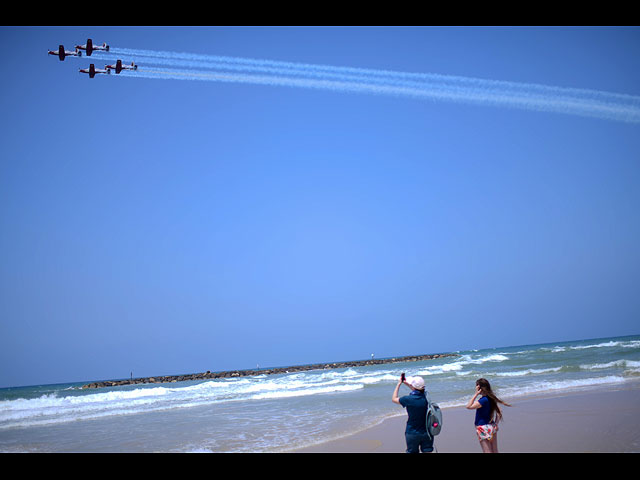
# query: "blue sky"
161,226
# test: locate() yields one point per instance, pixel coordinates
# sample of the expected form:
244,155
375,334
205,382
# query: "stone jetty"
264,371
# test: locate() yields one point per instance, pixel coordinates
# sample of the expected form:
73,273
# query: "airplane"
61,53
118,67
92,71
90,47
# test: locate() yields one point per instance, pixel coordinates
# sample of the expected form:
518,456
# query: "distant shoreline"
265,371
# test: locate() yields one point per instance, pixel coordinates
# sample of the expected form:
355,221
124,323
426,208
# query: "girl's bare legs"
486,446
493,443
490,446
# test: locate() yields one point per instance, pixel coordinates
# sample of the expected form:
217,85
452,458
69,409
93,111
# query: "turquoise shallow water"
267,413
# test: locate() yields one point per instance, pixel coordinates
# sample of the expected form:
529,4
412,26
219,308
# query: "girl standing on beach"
488,414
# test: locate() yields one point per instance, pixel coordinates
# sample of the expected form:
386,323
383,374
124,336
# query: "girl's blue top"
483,414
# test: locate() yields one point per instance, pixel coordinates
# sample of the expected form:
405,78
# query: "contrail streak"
435,87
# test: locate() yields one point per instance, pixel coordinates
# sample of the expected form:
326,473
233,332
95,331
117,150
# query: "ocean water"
274,413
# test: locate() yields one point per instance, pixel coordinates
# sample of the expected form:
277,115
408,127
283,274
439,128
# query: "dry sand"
596,421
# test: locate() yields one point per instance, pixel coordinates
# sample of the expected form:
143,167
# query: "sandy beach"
604,421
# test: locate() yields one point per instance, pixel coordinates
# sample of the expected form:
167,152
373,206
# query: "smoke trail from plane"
435,87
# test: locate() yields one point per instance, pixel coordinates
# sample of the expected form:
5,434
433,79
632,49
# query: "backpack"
434,418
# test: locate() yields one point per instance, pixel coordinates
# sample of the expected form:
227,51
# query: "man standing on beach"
416,435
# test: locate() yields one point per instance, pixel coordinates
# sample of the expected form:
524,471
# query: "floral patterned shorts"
486,432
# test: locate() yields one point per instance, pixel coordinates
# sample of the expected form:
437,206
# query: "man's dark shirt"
416,405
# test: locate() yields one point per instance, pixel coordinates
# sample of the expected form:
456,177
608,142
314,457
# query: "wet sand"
603,421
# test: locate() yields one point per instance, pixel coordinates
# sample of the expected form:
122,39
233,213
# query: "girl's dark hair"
494,401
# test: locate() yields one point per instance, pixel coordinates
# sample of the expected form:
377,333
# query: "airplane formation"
89,48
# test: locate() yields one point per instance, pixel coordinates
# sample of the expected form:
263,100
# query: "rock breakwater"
263,371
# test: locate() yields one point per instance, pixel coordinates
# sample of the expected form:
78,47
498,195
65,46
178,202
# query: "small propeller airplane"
119,66
90,47
61,53
92,71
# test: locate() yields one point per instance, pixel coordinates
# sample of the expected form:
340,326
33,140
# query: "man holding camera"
416,435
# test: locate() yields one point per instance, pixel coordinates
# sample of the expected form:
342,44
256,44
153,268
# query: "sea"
282,412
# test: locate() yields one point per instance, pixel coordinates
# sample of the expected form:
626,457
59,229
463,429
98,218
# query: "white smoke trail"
188,66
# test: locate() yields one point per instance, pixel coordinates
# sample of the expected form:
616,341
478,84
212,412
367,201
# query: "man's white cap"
416,382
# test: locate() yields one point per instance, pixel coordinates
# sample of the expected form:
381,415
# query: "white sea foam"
597,345
306,392
528,371
439,369
469,360
560,385
465,374
198,450
616,363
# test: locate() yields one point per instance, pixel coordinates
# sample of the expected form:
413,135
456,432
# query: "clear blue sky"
165,226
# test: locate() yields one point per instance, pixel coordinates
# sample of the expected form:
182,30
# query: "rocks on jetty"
267,371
